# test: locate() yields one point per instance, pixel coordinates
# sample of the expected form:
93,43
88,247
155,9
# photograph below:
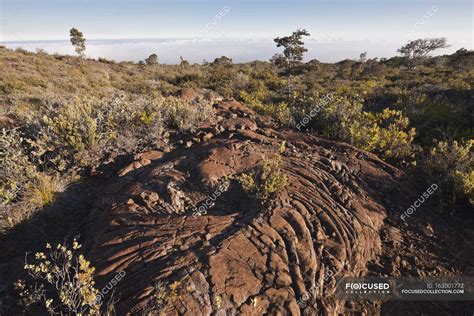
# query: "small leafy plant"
266,178
450,165
163,295
61,281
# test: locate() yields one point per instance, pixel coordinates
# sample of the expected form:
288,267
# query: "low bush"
281,111
450,165
60,281
386,133
16,169
163,295
61,137
265,179
42,191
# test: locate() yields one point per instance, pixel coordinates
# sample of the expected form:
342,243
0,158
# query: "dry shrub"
61,137
61,281
16,167
42,191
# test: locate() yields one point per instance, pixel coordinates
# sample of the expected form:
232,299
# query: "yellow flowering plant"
61,280
163,295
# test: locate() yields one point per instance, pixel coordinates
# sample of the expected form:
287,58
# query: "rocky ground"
337,216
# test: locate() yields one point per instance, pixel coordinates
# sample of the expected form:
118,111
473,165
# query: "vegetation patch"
266,179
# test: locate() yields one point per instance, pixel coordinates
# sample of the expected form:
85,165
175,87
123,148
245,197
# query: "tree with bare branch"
418,50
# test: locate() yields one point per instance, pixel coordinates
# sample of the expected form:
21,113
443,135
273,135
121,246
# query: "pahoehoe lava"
242,256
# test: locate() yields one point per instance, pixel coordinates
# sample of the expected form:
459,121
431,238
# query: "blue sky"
379,26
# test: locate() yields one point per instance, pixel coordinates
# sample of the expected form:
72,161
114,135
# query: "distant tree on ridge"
152,60
294,47
78,41
418,50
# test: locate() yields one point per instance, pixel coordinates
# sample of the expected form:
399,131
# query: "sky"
242,30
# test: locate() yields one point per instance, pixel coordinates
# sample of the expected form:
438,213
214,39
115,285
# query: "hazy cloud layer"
240,50
240,29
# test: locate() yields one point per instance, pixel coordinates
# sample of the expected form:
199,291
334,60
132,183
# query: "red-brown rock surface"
242,257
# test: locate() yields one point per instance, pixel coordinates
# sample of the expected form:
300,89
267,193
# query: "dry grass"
42,192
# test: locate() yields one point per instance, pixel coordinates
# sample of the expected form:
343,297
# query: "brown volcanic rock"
6,122
188,94
242,257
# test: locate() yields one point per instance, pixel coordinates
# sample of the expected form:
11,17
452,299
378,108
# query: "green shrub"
185,116
386,133
450,165
280,111
265,179
73,125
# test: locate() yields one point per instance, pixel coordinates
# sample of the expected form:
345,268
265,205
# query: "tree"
462,59
278,60
294,48
222,76
152,60
223,61
78,41
417,51
363,57
183,62
293,52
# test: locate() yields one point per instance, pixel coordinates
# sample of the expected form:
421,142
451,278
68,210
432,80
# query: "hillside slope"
155,195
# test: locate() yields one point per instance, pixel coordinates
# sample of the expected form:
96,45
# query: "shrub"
464,184
163,295
386,133
84,130
264,180
450,165
17,171
221,74
42,191
61,281
184,116
280,111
